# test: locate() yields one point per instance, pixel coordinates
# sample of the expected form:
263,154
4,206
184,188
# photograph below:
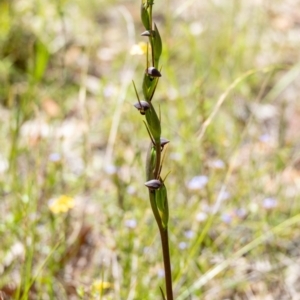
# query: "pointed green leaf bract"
150,162
153,123
157,46
149,85
145,16
161,198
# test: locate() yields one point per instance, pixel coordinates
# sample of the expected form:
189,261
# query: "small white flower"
196,28
201,216
131,190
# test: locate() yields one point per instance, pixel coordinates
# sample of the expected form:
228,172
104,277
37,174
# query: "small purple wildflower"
217,164
182,245
131,223
269,203
161,273
226,218
241,213
224,195
197,182
189,234
109,90
265,138
55,157
111,169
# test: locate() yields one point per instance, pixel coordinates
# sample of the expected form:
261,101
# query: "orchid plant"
154,182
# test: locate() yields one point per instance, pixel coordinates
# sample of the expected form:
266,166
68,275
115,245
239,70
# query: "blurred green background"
75,222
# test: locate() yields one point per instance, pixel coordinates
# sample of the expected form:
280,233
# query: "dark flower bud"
148,33
153,184
163,142
142,106
153,72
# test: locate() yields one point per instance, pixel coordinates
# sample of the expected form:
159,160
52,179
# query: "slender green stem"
167,263
164,236
157,162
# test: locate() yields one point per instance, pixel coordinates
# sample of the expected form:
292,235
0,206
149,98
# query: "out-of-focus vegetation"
75,222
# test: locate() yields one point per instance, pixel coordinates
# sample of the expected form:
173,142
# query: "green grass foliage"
75,220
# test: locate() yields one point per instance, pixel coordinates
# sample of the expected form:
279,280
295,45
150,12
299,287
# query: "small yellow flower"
139,49
99,286
61,204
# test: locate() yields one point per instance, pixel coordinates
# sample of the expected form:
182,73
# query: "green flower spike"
155,156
